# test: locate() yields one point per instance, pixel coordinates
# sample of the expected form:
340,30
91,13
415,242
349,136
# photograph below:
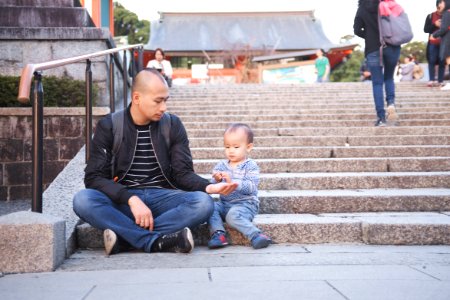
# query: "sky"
336,16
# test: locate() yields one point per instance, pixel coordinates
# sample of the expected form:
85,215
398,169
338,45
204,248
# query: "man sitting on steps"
153,196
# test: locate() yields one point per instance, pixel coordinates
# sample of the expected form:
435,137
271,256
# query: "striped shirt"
145,171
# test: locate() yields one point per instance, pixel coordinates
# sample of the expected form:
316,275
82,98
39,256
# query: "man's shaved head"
144,78
149,95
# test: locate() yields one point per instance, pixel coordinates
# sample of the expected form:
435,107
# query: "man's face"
151,100
441,6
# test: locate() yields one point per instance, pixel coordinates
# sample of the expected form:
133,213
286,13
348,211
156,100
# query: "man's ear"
135,98
249,147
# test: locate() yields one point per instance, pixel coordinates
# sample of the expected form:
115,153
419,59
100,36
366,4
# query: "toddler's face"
236,146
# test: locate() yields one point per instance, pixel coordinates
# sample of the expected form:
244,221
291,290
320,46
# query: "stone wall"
63,137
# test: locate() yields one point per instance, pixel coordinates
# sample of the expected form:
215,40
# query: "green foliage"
417,49
348,71
60,92
127,23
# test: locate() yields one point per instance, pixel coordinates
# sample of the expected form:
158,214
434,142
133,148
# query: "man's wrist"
132,200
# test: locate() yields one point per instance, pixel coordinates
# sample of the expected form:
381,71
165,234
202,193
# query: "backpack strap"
118,119
166,124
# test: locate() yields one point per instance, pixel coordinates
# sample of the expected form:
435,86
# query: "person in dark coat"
444,34
432,24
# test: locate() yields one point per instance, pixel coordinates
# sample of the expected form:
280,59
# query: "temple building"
242,47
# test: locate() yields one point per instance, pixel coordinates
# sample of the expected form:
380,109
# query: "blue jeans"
172,211
238,215
433,60
383,75
321,79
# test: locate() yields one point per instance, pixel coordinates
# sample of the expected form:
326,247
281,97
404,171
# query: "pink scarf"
390,8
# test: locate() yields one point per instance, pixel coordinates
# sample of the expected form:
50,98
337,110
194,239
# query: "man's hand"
142,214
223,188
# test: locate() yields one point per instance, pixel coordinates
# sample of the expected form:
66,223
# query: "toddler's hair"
248,131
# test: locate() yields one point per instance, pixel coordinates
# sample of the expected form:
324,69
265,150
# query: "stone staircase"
327,174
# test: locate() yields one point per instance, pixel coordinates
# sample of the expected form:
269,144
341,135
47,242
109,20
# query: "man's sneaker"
179,242
380,123
391,113
446,87
218,240
111,242
261,241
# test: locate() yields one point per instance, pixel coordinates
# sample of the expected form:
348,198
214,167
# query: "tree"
348,70
417,49
127,23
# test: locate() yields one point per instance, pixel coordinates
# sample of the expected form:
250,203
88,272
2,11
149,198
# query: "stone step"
301,89
183,113
295,141
367,122
330,131
396,228
54,34
357,180
258,107
28,16
306,116
38,3
313,165
329,152
346,201
238,100
243,100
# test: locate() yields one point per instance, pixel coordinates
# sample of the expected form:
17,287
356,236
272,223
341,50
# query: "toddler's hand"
217,176
226,176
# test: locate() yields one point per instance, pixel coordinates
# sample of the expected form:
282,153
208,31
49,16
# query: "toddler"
240,207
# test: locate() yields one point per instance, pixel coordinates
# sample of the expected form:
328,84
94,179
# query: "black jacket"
176,163
429,27
365,25
444,34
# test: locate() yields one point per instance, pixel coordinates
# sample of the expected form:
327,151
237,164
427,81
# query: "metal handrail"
31,70
28,71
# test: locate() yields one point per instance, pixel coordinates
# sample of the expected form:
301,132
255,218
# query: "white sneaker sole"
392,114
190,239
109,239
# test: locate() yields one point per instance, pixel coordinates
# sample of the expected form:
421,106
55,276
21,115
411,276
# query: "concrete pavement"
284,271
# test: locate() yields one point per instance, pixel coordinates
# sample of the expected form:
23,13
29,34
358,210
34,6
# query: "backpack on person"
393,22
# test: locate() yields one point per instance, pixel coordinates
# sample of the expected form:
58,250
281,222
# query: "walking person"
381,64
444,34
432,24
322,65
146,195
